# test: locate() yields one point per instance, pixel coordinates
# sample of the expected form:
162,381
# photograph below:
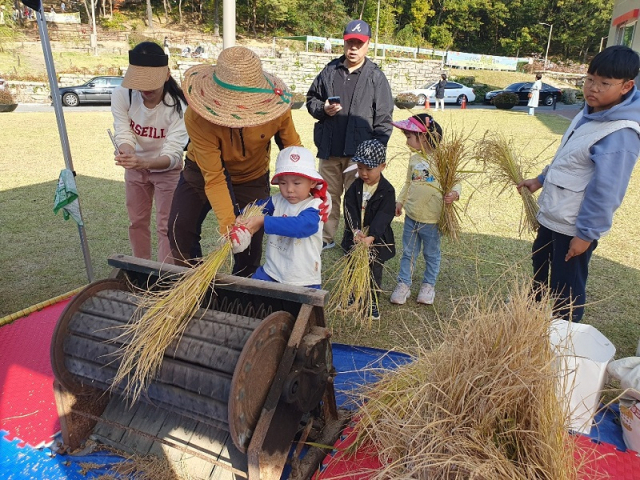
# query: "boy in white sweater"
422,201
293,221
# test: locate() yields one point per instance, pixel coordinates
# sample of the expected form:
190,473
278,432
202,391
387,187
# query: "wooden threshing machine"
252,372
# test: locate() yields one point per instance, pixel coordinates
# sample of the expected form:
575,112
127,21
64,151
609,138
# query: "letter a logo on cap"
358,29
295,157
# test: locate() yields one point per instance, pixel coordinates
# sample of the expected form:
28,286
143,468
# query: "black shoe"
375,314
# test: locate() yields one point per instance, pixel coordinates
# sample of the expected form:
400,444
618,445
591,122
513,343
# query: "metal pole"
228,23
94,35
62,126
375,50
548,44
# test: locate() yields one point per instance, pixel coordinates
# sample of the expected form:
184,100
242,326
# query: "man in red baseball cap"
352,101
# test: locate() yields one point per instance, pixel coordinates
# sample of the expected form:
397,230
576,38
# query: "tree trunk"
216,18
254,17
166,14
88,10
180,10
149,14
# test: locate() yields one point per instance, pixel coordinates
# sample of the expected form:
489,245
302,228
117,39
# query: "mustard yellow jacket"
244,153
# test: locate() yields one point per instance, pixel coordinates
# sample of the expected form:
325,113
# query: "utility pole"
546,55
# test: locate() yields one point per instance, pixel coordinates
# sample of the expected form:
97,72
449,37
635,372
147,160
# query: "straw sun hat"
148,68
236,92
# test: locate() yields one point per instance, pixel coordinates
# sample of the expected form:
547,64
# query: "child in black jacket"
369,205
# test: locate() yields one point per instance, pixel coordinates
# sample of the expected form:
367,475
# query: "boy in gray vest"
587,179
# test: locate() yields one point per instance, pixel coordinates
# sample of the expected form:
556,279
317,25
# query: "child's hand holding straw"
240,238
451,197
358,237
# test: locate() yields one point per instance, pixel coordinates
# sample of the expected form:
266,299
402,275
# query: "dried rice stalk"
162,317
482,405
450,160
352,293
505,166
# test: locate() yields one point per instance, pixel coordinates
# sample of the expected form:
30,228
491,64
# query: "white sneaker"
328,245
427,294
400,294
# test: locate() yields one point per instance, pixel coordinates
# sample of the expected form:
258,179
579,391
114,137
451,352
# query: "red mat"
602,461
27,405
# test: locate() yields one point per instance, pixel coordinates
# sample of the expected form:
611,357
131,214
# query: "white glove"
240,237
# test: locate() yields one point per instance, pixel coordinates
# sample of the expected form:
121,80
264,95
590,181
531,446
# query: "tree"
149,14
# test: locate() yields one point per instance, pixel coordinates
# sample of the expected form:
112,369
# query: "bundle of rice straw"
481,405
450,160
163,315
352,293
505,166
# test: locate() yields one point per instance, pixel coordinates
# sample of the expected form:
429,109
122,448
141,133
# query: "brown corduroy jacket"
244,153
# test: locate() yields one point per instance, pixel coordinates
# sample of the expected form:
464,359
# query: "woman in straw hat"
150,135
235,109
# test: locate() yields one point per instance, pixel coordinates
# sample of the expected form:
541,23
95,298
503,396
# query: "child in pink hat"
293,221
422,201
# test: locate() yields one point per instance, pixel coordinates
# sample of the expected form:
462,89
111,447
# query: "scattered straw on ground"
480,405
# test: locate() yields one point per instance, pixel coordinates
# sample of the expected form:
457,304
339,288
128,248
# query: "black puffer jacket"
370,112
378,215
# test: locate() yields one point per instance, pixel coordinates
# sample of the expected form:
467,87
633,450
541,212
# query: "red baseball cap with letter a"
357,29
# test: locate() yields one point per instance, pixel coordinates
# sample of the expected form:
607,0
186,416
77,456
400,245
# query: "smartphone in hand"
334,100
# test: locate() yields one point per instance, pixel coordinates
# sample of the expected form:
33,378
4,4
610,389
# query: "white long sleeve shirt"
153,132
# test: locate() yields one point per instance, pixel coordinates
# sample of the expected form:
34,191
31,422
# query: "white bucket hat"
296,161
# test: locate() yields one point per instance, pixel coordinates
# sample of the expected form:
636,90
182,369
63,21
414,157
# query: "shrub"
136,38
6,98
505,98
298,97
481,90
570,96
406,98
115,22
467,81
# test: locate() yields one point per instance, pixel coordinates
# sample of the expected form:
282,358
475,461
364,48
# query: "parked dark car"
522,89
96,90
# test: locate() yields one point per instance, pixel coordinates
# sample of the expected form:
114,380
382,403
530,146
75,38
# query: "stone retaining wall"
297,70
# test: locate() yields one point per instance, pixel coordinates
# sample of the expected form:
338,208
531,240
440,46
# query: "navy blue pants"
566,280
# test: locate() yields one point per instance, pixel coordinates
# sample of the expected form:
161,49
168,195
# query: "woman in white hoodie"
150,135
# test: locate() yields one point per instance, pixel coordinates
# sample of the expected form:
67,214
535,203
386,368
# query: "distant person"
165,46
369,207
422,201
235,109
587,179
148,119
440,91
63,7
293,221
534,96
352,102
327,45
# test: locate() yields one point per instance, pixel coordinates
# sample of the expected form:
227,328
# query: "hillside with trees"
497,27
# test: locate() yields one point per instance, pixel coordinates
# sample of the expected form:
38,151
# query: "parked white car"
454,92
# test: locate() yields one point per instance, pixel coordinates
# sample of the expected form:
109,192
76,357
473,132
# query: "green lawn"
41,255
